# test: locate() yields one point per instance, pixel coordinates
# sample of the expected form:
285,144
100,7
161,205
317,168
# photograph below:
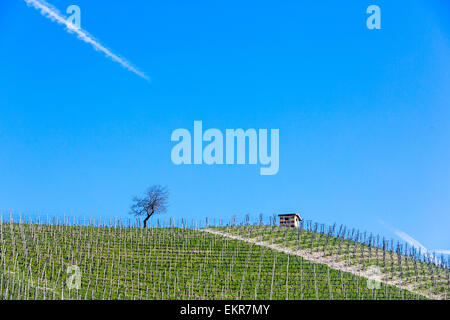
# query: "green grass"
163,263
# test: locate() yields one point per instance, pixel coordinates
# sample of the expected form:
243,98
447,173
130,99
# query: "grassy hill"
120,262
354,252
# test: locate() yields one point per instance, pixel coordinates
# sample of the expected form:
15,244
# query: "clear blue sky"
364,115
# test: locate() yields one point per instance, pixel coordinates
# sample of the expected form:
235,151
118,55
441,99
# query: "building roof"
290,214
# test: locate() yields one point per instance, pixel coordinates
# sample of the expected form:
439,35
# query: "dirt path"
318,257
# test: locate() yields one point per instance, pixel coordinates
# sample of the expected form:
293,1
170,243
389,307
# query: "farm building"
289,220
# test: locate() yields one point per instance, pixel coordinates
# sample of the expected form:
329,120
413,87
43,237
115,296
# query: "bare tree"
154,201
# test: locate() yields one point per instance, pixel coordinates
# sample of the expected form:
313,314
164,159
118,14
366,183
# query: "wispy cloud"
50,12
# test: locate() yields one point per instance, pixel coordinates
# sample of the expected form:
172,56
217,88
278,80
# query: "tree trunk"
145,221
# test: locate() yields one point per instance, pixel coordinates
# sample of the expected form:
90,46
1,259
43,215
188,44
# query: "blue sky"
363,114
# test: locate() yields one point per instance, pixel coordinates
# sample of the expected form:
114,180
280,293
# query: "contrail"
416,244
413,242
53,14
443,251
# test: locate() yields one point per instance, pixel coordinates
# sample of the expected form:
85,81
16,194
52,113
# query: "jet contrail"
416,244
443,251
52,13
413,242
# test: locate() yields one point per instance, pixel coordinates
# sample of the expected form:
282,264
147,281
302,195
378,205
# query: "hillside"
122,262
354,252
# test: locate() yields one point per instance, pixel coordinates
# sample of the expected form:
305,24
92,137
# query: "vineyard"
121,260
353,251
